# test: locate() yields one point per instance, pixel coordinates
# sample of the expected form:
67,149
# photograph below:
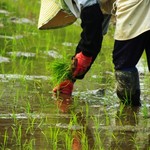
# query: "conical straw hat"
52,15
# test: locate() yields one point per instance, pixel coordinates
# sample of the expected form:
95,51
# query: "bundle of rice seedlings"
60,70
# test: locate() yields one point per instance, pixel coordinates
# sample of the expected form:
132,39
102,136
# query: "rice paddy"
30,118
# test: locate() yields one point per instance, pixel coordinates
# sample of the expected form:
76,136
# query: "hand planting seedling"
60,70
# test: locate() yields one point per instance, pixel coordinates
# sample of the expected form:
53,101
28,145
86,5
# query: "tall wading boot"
128,87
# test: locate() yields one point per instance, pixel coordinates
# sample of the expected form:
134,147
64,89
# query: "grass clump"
60,70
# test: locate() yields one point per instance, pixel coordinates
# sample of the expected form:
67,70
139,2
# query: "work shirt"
132,18
76,6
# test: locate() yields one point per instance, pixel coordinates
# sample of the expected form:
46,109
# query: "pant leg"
147,48
126,55
105,23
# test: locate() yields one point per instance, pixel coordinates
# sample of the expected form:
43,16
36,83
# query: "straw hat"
53,15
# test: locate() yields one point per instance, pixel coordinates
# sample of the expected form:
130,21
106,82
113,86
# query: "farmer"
132,37
94,17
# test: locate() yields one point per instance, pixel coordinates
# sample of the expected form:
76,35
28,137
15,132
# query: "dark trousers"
126,54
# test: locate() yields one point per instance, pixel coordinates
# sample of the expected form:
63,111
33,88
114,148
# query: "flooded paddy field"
31,119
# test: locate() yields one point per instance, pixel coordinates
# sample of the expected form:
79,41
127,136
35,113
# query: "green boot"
128,87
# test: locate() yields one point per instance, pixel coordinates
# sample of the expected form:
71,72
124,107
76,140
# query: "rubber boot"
128,87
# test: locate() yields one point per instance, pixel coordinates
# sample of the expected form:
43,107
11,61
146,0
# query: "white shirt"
76,6
132,18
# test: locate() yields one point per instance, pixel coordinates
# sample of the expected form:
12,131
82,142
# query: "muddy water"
30,119
95,119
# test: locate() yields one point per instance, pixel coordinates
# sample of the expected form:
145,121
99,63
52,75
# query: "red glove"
80,64
65,87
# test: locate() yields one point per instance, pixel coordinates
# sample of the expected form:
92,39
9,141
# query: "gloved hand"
65,87
80,64
63,93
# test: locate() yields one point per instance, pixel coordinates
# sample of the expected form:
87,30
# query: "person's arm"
91,38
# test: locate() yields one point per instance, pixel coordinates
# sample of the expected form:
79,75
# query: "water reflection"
81,132
68,124
124,130
127,118
30,120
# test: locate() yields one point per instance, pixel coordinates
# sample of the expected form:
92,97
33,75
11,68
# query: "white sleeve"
76,5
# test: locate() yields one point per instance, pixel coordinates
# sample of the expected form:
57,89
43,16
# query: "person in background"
95,16
132,37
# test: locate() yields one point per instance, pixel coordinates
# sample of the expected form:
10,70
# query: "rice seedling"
28,144
68,140
136,142
61,70
53,137
2,66
97,132
84,140
107,119
28,108
17,134
14,117
31,126
20,95
121,108
145,111
5,142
